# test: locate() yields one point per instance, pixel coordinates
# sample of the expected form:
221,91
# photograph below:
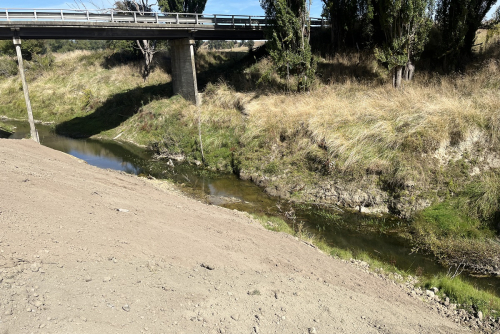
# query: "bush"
8,67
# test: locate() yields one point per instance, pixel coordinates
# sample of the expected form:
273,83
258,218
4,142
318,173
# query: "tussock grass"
365,127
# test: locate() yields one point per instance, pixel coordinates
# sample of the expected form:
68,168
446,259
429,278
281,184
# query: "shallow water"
340,228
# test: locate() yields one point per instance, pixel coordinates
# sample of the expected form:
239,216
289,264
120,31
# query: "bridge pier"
17,43
184,69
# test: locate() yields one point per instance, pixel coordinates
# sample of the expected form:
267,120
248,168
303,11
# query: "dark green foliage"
29,48
288,44
250,44
458,21
61,46
182,6
406,25
218,45
350,22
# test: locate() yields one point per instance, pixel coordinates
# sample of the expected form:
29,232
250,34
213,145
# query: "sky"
234,7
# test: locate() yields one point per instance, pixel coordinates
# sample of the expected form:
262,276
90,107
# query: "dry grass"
77,83
363,125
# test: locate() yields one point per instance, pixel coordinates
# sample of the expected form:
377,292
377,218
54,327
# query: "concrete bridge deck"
113,24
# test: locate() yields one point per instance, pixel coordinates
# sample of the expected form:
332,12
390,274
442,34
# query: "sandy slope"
71,263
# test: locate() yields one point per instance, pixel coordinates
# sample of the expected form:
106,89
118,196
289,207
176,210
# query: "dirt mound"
85,250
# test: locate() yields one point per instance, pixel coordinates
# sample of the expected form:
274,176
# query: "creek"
375,235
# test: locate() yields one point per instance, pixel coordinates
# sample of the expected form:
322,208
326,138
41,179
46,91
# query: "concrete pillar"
17,44
184,69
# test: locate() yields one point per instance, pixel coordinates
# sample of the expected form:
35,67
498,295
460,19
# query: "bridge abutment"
184,69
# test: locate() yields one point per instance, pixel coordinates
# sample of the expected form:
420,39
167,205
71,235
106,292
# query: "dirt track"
70,262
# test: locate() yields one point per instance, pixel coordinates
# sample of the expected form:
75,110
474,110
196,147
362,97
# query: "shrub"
8,67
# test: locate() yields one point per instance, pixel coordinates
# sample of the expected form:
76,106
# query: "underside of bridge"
182,37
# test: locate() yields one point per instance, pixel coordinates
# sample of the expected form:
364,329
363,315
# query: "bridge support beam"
17,44
184,69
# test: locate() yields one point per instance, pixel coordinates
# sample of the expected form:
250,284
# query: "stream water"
340,228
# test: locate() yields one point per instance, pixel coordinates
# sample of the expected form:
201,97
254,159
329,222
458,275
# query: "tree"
182,6
147,47
458,22
249,44
348,17
288,40
29,48
406,25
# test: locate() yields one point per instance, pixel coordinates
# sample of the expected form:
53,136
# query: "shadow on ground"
340,73
114,111
230,71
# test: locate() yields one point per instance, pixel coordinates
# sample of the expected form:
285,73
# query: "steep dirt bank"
84,250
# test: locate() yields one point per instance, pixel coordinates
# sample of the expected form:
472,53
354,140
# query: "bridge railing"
116,16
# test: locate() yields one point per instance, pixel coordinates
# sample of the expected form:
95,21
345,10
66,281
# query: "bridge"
110,24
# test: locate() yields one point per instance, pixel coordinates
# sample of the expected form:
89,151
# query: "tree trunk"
148,49
396,76
408,71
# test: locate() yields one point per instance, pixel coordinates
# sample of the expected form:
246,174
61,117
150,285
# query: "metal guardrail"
116,16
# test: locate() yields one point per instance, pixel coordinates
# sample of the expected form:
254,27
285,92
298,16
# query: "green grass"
275,224
446,219
465,294
6,128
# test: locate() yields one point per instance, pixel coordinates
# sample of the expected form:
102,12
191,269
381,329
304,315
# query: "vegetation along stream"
376,236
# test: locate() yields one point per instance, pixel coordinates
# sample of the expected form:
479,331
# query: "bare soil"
86,250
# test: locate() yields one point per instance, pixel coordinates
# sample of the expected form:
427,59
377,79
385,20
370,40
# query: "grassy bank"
428,152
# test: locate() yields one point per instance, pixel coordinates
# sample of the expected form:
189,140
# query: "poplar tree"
288,40
348,17
406,25
458,22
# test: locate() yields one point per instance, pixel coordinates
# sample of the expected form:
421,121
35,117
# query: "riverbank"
427,153
91,250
